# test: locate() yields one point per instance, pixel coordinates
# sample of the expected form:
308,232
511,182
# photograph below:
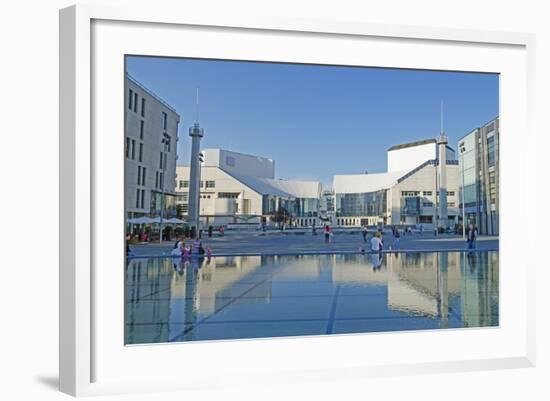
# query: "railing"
426,163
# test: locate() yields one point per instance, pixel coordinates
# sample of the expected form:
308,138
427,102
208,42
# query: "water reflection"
268,296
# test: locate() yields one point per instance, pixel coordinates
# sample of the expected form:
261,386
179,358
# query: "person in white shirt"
376,243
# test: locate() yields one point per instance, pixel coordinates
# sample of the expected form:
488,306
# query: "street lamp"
163,165
462,150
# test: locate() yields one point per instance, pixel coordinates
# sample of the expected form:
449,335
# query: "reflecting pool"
170,300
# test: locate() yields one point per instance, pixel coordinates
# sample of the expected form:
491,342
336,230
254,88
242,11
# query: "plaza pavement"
290,242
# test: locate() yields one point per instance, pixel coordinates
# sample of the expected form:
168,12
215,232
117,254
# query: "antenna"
197,105
441,118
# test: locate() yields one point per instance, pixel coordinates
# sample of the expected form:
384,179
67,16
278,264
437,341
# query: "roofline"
243,154
481,126
151,93
412,144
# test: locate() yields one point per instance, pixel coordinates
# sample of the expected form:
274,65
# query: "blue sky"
316,121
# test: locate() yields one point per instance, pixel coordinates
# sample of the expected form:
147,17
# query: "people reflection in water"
179,267
376,259
472,261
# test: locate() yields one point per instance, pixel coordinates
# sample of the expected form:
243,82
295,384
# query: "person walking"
396,236
376,244
328,233
128,239
472,236
364,232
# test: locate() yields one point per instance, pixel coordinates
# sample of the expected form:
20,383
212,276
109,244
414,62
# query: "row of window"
166,141
141,175
430,204
185,184
140,198
133,102
162,164
184,196
159,180
133,105
131,149
407,194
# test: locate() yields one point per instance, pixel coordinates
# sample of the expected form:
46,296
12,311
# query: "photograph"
271,199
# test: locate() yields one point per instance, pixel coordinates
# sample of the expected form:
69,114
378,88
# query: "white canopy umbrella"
174,220
141,220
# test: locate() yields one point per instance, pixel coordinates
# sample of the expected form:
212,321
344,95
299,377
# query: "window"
130,99
133,149
183,197
142,199
186,184
167,142
228,195
140,151
161,180
141,128
210,184
410,193
143,107
184,208
127,147
135,102
160,166
451,204
451,193
202,184
139,175
427,193
427,204
164,120
491,151
137,198
156,179
143,176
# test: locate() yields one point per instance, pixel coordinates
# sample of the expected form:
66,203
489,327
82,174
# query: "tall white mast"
442,164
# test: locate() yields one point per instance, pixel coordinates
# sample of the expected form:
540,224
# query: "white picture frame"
93,360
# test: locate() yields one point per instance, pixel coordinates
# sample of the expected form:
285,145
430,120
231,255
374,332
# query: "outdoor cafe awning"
150,220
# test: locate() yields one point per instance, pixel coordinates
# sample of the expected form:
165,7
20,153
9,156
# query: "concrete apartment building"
479,177
408,193
151,138
237,188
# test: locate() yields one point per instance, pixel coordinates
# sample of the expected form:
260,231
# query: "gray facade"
479,181
151,139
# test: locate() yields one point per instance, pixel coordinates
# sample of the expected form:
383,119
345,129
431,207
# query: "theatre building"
241,189
407,193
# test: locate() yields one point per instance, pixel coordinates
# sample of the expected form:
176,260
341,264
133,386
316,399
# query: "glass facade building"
361,204
479,171
296,207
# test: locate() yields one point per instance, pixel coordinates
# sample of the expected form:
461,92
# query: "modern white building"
410,155
406,194
237,188
151,136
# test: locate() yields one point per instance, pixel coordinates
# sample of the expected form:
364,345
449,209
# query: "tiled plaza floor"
255,242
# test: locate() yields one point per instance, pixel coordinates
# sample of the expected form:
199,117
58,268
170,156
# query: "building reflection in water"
167,300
